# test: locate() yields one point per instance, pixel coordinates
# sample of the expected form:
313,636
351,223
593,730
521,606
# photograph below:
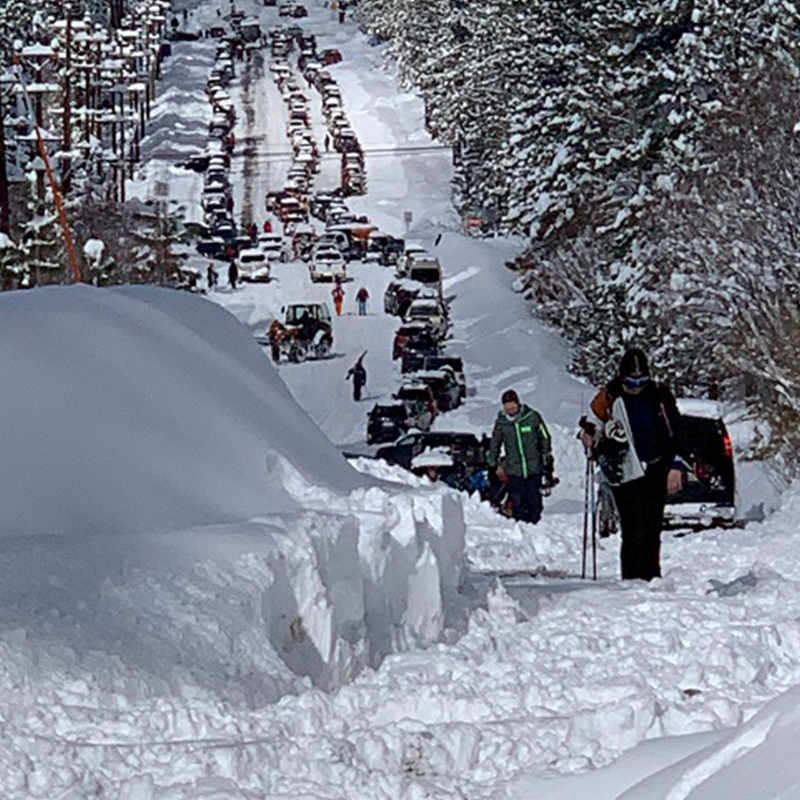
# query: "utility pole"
66,164
5,203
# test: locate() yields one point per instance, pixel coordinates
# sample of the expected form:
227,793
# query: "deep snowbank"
164,500
139,409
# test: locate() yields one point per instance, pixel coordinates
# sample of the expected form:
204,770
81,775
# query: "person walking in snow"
267,226
521,434
361,299
211,275
338,298
253,232
358,373
327,142
638,444
233,274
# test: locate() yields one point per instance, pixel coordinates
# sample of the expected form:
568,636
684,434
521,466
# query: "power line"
286,155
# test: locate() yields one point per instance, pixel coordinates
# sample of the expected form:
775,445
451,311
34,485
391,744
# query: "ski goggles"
635,382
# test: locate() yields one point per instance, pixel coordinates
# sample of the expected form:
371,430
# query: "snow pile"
172,519
751,761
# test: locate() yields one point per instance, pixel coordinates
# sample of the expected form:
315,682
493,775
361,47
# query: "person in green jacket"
521,433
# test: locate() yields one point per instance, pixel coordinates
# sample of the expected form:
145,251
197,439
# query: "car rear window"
425,275
705,438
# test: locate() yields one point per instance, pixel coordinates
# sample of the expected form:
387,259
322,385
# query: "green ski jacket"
526,442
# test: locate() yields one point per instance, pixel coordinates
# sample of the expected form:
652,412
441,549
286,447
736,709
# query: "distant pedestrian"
358,373
327,142
233,274
267,226
338,298
212,275
361,299
253,232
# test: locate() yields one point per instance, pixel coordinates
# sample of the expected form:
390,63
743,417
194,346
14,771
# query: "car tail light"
726,445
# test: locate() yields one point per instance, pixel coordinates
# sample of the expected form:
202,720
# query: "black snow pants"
526,497
640,504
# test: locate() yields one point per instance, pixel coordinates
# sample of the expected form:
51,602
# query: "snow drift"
164,498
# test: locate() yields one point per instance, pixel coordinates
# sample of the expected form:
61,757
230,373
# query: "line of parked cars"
218,236
433,383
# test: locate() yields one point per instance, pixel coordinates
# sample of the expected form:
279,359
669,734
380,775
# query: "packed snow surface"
200,598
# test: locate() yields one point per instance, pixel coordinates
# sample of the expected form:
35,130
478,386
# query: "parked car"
274,247
253,265
212,247
708,496
387,422
418,393
464,447
444,386
427,271
398,296
383,248
454,363
415,336
327,265
414,361
410,249
431,311
331,56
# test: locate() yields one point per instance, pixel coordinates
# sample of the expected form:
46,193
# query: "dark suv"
709,486
387,422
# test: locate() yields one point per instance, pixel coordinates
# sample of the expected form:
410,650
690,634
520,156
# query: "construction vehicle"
306,332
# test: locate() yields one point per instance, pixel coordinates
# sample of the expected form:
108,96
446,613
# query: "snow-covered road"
537,694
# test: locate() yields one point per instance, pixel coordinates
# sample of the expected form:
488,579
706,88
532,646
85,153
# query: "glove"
549,482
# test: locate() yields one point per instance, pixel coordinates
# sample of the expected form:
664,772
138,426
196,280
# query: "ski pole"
594,523
585,518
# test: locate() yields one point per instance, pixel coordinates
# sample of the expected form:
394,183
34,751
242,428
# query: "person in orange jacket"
338,298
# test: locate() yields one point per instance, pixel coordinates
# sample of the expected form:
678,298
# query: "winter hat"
509,396
634,364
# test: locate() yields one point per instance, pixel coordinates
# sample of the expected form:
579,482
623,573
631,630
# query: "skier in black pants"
359,375
638,445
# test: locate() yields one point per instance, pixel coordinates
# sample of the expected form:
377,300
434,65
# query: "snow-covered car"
443,385
465,448
708,496
327,265
253,266
334,240
398,296
429,310
387,422
274,247
422,394
411,249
